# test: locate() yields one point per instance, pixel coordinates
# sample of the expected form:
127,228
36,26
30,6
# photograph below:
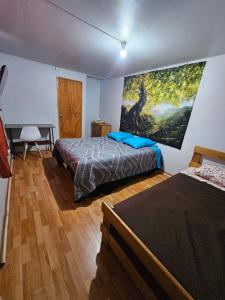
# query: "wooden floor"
54,245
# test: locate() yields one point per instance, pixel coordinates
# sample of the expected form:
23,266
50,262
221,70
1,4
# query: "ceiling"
158,32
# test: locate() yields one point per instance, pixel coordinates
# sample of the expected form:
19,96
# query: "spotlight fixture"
123,52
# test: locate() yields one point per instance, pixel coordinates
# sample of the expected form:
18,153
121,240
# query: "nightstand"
100,129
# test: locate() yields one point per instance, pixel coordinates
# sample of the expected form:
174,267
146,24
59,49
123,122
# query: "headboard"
199,152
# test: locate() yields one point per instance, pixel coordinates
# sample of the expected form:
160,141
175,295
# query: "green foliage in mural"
158,104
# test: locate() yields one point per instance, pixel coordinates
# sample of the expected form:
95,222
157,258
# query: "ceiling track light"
52,2
123,52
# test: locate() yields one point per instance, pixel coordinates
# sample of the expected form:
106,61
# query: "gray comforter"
99,160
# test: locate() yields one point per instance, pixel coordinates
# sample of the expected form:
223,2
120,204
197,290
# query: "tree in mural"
135,111
169,87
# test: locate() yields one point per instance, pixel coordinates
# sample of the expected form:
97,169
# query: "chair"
30,134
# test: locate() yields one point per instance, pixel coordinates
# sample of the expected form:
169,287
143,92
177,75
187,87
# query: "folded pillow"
139,142
119,135
214,174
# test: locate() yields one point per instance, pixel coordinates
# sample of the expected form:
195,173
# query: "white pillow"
214,174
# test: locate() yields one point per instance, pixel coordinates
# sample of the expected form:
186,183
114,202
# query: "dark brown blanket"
182,221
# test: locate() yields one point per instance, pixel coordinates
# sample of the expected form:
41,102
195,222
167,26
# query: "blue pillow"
119,135
139,142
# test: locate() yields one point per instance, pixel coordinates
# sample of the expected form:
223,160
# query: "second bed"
94,161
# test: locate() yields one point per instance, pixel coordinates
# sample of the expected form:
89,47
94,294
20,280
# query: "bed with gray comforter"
95,161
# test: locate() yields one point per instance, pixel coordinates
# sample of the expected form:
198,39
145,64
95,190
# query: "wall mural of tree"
158,104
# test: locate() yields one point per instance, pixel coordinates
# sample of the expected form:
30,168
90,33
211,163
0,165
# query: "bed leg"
60,164
57,156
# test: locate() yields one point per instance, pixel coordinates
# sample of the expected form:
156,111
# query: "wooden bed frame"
165,279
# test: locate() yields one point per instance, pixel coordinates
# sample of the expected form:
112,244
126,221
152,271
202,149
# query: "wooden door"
70,108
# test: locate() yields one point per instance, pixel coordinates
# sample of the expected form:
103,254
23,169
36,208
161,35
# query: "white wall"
207,123
30,94
92,102
111,101
3,193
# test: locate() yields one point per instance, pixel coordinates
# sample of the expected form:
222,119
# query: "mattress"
181,220
95,161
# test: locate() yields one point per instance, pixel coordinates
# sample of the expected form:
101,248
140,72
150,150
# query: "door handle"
76,114
60,115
